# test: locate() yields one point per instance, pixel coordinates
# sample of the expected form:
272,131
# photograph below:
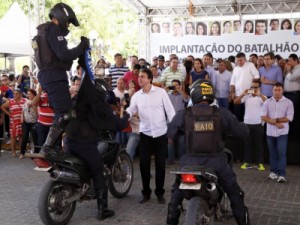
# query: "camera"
251,91
171,87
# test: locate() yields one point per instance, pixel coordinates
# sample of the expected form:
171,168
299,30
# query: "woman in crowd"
13,108
248,27
201,29
28,120
199,72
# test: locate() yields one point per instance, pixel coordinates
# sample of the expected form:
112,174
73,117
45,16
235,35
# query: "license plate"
190,186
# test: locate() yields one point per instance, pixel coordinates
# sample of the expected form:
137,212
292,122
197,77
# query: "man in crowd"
292,90
24,80
242,76
208,61
116,71
222,85
172,73
277,112
253,100
132,75
155,110
270,74
179,99
161,64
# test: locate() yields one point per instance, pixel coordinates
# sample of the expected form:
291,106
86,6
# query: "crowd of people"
151,95
242,85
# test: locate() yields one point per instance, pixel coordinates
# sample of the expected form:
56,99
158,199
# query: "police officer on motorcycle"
204,126
90,120
53,59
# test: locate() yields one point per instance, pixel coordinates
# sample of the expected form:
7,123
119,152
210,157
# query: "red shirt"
46,113
128,76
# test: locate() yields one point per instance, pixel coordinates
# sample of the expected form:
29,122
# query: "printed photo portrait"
189,28
248,26
201,29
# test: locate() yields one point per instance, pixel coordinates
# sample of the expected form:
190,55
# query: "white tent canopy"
15,35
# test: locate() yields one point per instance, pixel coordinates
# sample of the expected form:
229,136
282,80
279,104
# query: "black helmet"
202,90
64,14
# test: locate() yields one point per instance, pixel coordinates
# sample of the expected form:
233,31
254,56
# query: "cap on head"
161,57
202,90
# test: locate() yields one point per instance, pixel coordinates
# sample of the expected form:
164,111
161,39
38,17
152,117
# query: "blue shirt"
222,84
274,73
198,75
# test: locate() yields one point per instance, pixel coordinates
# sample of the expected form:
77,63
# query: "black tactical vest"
203,130
43,55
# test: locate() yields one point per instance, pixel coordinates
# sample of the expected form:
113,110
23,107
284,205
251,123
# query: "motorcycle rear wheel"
198,213
121,177
49,205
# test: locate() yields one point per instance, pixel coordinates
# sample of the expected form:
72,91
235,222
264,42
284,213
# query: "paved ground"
269,203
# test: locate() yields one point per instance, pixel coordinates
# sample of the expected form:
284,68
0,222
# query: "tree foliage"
115,23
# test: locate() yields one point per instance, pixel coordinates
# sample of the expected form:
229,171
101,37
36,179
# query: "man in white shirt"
155,110
242,76
254,101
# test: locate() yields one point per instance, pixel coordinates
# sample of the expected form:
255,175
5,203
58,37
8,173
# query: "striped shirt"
168,75
46,113
115,73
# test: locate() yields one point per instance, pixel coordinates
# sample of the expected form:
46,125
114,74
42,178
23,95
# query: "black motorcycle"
207,200
71,181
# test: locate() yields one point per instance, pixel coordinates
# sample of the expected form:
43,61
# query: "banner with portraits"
225,38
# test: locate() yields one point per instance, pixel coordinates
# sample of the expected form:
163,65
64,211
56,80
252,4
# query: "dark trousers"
42,131
226,179
88,152
26,129
254,143
239,111
59,97
159,147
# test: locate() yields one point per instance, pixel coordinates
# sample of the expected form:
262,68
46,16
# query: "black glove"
81,61
85,42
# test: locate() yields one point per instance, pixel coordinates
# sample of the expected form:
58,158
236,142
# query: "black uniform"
216,160
52,75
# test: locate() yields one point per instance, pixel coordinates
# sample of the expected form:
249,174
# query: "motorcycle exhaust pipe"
210,187
65,177
213,191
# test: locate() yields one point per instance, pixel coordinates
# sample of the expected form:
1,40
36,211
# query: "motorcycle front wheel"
198,213
50,207
121,177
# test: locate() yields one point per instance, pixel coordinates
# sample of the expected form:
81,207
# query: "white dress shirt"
155,110
242,77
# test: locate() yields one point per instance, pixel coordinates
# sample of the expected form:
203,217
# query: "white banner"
225,38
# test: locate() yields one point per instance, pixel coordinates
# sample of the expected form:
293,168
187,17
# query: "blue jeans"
133,141
277,148
223,102
179,143
122,138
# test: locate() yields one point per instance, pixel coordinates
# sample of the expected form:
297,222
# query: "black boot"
103,211
173,215
56,130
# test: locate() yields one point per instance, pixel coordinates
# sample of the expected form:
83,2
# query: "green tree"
115,22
